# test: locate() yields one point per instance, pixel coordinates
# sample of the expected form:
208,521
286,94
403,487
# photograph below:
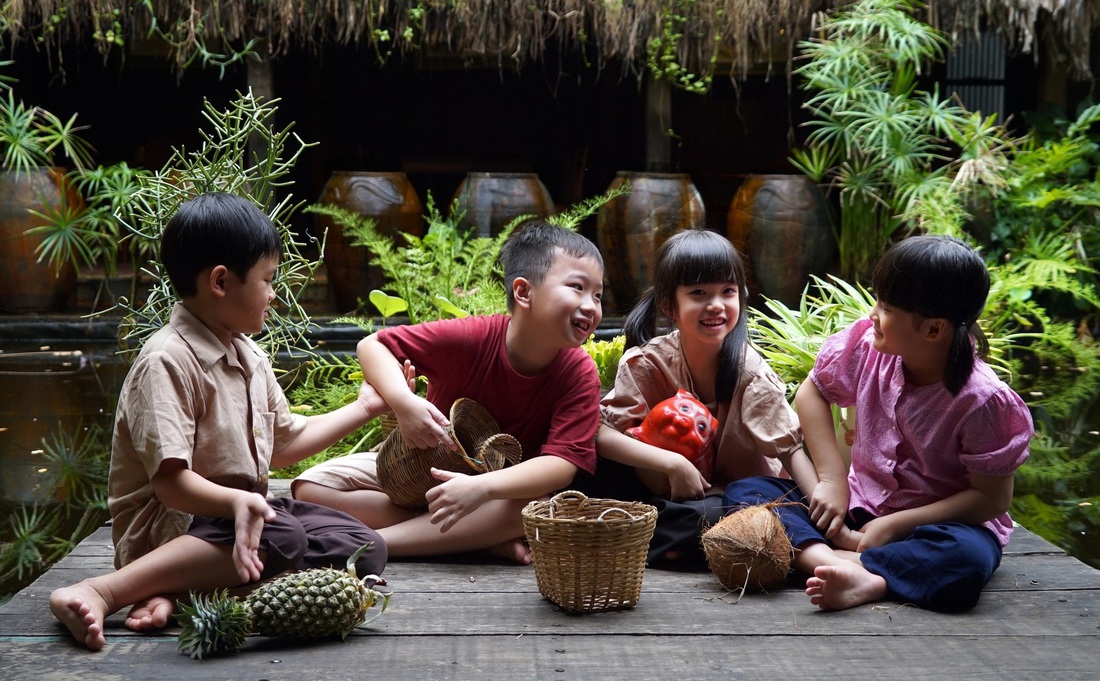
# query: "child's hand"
250,512
373,403
829,506
422,425
882,531
684,479
457,496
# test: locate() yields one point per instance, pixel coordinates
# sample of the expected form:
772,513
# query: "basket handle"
561,497
600,518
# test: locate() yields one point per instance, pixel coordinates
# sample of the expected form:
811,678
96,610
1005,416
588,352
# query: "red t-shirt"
554,412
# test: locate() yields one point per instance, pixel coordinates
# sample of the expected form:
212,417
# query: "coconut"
748,549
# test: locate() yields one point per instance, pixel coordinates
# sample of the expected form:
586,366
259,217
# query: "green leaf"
449,307
388,305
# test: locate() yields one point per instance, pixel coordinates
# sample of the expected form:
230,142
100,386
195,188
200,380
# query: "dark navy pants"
943,566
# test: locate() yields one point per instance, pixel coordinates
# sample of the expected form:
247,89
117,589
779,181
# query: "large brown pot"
630,228
782,225
27,285
490,201
386,197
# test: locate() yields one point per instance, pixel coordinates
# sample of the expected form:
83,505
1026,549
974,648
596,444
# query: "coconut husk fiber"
748,549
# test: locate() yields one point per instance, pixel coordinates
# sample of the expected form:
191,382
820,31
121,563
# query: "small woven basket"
404,473
589,554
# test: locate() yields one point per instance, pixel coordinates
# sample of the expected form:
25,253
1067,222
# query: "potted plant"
96,231
31,142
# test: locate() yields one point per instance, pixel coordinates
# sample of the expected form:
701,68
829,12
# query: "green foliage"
900,157
450,271
663,52
75,474
330,382
606,354
1049,208
32,137
224,163
790,339
98,231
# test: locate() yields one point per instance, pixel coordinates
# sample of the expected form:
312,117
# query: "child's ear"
521,291
937,328
215,280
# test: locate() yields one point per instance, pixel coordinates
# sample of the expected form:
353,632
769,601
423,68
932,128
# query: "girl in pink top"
922,514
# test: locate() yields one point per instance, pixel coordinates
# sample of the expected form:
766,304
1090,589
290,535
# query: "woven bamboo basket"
404,473
589,554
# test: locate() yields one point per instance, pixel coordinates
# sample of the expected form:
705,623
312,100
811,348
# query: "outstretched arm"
829,498
324,430
422,425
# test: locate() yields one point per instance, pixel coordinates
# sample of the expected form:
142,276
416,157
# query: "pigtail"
968,342
730,359
960,360
641,323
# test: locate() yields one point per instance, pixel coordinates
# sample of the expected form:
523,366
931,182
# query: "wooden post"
261,83
658,119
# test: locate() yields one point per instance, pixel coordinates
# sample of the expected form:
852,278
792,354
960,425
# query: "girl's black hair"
694,256
215,229
939,276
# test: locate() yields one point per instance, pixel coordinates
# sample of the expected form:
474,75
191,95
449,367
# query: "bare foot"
514,550
838,587
82,609
152,613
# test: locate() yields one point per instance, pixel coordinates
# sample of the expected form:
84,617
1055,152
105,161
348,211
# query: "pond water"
46,390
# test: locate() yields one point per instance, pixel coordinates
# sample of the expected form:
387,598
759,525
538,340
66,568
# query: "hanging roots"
748,549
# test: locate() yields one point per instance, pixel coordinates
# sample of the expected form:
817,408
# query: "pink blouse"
916,445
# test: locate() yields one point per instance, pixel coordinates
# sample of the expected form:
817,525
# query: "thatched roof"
736,33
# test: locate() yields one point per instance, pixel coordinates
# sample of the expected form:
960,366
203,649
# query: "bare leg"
837,587
495,524
372,507
183,564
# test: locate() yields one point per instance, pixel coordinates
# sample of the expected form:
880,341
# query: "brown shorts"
303,535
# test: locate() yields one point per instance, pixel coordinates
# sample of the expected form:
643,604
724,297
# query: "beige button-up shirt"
187,397
755,426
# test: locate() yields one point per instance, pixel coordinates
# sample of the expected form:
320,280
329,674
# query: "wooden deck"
480,619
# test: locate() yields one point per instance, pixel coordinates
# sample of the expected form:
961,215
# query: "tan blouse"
756,426
186,397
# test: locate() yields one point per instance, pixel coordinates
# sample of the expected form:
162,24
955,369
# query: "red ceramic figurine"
681,424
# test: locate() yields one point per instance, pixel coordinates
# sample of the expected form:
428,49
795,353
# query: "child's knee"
286,543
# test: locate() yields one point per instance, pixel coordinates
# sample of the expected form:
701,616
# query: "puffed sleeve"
996,437
840,363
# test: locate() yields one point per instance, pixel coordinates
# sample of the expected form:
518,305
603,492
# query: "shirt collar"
206,346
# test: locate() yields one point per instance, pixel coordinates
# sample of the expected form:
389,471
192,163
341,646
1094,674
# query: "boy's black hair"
215,229
939,277
529,252
695,256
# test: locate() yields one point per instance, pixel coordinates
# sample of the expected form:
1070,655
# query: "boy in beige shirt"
200,421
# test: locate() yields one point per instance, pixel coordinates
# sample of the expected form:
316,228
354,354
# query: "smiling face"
566,304
706,312
896,330
248,302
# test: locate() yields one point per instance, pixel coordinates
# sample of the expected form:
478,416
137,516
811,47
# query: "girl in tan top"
700,286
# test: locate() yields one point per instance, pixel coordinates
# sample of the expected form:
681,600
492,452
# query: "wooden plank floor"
482,619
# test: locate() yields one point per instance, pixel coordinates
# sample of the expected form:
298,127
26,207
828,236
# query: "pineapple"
307,604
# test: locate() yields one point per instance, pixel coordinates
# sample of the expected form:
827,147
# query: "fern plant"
450,271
